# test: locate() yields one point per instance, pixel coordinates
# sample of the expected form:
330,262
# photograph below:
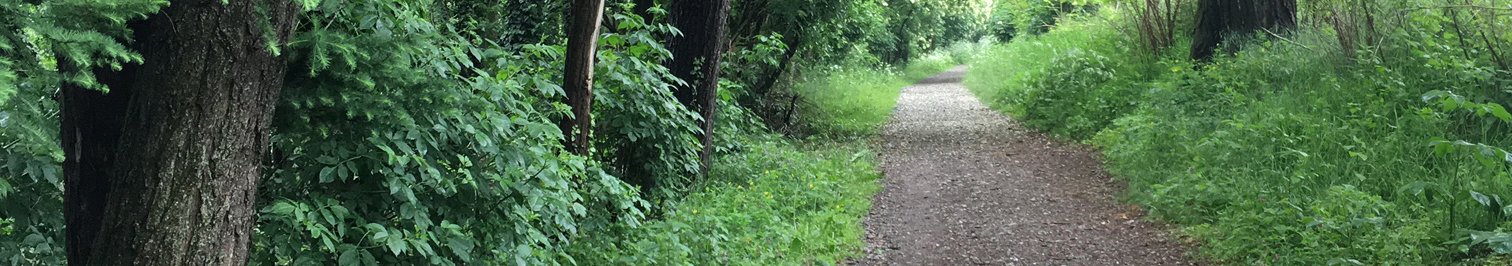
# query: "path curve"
965,185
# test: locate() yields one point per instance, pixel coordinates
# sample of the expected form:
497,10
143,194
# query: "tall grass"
1281,154
851,101
857,101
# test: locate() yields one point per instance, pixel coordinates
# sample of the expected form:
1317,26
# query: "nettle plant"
1493,159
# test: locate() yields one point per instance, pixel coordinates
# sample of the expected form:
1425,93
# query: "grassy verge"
1282,154
857,101
850,102
777,201
773,204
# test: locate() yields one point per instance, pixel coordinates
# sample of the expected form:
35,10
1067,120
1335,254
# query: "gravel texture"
966,185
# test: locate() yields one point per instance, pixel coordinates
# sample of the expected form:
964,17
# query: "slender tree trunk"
165,167
582,40
1216,19
695,59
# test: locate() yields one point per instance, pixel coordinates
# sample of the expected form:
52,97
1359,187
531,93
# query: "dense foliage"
1374,134
424,131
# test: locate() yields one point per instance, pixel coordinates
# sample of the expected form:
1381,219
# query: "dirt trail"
966,185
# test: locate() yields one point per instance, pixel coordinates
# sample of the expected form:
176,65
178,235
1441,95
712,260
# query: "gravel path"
966,185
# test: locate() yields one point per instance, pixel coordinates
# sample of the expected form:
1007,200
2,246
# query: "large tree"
1217,19
163,169
695,59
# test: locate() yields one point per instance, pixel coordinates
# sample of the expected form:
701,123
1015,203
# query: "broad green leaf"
348,258
326,174
283,208
1482,199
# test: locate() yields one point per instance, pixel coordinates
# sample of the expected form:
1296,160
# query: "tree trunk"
695,59
582,40
167,164
1216,19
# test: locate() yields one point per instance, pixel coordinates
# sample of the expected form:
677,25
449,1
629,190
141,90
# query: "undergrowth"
1285,152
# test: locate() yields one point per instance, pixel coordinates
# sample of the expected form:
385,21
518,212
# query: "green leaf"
1432,95
1499,112
1482,199
348,258
368,259
461,247
326,174
396,245
1499,242
283,208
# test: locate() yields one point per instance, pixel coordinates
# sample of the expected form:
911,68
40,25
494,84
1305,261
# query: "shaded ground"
966,185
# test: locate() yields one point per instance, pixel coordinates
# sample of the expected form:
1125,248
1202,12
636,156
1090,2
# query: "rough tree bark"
695,59
1216,19
163,170
582,40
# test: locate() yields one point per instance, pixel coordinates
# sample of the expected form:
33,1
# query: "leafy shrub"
1072,82
1076,95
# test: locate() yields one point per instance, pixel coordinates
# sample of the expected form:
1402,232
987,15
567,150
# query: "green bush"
1077,94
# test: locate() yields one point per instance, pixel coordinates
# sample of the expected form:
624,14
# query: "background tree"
582,41
696,59
181,143
1219,19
